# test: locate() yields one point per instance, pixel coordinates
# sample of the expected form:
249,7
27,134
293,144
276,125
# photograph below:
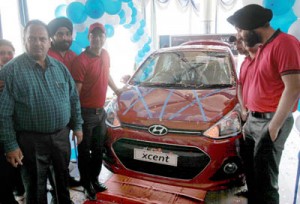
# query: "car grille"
191,161
175,131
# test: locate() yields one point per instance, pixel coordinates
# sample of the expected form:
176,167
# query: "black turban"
250,17
57,23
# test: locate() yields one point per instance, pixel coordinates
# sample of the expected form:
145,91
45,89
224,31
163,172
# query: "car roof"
207,42
194,47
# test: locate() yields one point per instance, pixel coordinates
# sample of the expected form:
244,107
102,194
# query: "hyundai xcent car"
177,120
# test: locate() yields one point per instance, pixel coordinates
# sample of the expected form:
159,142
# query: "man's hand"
15,157
118,92
1,85
244,114
273,131
79,135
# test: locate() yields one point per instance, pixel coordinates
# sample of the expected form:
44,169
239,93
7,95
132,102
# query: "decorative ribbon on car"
196,101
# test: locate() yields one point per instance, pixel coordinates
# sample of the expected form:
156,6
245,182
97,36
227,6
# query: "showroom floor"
287,178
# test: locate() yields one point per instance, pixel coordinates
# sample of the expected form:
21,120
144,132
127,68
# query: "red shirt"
278,57
245,78
93,72
66,60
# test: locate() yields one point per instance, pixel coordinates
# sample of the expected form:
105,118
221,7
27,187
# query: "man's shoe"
73,182
242,193
99,187
53,199
89,192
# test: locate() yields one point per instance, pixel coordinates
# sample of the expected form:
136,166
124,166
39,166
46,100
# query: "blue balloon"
76,12
142,23
135,38
109,30
141,53
126,1
122,21
94,8
121,13
75,47
61,10
134,12
130,4
122,17
112,7
127,26
133,20
140,31
284,21
149,40
82,38
299,105
279,7
146,48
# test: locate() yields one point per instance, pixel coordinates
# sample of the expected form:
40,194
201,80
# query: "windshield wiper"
217,85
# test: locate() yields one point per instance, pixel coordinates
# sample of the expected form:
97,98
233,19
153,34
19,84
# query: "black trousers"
7,173
40,151
261,157
90,150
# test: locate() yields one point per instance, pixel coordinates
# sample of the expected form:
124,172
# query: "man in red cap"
90,71
271,98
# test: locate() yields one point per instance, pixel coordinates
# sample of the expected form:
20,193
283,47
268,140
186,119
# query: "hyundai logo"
158,130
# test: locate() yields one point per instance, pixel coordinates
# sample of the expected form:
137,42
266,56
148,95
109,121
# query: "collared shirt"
67,59
245,78
36,99
277,57
93,72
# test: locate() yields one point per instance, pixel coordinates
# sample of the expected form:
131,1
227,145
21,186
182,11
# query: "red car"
177,120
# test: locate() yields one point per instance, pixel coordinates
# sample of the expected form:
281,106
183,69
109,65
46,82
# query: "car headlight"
112,119
228,126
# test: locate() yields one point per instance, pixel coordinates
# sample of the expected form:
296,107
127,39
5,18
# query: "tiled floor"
287,178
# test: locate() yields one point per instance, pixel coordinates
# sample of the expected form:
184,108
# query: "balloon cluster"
286,14
110,13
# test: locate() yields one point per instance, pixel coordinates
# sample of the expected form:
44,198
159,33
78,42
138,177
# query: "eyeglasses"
10,53
36,39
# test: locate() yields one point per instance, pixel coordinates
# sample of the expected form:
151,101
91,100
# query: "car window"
184,68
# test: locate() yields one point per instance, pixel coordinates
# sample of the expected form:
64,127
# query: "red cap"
96,25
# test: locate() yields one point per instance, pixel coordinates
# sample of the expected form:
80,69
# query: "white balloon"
295,29
296,8
89,21
128,13
109,19
297,123
114,19
246,2
79,27
104,19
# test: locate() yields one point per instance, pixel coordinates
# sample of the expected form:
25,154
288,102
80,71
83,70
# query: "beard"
62,46
251,38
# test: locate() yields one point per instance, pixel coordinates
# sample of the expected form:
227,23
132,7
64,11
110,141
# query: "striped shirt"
36,99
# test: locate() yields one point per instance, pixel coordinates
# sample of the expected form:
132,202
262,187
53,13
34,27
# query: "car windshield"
186,69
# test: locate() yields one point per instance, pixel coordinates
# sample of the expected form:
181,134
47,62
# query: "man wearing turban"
271,98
